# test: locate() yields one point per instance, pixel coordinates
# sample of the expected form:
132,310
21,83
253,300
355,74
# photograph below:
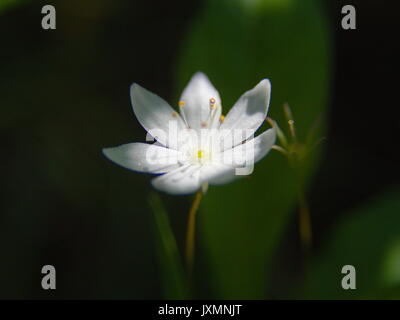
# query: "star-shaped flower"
197,146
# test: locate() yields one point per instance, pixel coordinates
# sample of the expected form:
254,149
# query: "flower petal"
249,112
144,157
252,150
188,179
249,152
184,180
155,115
217,174
196,102
263,144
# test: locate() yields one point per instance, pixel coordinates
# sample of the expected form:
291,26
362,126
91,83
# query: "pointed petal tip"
266,83
109,153
134,86
132,89
105,151
200,76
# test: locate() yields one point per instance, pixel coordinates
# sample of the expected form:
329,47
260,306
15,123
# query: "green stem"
304,225
190,235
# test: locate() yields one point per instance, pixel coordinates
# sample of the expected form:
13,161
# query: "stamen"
212,103
221,118
292,129
200,154
174,114
181,106
204,124
213,111
289,116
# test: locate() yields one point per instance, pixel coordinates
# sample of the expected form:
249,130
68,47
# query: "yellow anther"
212,103
221,118
200,154
181,103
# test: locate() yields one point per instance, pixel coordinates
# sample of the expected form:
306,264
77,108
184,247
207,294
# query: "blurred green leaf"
237,43
171,268
369,239
5,4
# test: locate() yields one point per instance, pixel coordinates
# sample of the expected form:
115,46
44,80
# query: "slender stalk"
190,235
281,136
279,148
304,225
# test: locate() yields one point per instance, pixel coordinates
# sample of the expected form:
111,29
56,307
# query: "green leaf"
369,239
238,43
171,268
6,4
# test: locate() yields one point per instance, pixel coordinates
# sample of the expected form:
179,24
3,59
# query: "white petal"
196,98
184,180
249,152
254,150
155,115
249,112
263,144
217,174
188,179
144,157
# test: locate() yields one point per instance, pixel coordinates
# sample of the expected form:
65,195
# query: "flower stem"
304,225
190,235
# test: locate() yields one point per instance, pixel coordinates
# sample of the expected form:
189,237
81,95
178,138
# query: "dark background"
361,157
362,126
55,184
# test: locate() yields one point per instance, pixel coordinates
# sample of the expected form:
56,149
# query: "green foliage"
369,240
238,43
169,260
6,4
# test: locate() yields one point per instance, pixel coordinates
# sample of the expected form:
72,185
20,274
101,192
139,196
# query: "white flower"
198,146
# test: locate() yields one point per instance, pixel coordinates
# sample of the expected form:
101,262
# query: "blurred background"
64,95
